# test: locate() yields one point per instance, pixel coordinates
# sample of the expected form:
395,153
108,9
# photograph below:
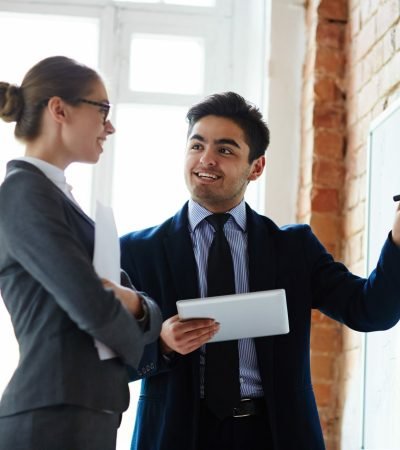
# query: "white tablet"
249,315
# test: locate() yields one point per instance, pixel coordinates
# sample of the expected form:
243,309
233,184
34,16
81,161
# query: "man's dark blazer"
160,260
57,303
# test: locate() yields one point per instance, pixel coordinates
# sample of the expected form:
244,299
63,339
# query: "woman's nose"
109,127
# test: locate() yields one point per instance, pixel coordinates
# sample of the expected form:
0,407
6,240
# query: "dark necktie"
221,379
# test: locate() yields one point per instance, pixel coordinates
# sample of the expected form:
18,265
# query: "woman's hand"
129,298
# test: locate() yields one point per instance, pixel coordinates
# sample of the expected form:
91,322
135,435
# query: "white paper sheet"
106,258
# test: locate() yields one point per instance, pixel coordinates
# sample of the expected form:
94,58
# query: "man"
227,139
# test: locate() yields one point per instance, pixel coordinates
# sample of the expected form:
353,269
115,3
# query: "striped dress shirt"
202,234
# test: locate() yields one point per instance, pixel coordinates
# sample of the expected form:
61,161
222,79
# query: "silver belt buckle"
242,415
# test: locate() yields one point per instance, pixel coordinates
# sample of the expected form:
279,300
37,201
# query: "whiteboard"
381,421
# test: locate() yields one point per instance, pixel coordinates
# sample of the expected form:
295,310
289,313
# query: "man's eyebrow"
198,137
227,141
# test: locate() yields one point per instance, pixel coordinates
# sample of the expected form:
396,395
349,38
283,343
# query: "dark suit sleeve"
362,304
39,237
153,319
152,361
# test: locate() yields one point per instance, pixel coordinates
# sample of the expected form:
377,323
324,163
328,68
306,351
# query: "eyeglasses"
104,107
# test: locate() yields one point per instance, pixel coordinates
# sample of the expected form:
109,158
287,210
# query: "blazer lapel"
79,210
262,276
262,257
23,165
180,256
183,267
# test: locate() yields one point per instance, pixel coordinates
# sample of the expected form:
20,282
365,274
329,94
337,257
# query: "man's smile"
207,175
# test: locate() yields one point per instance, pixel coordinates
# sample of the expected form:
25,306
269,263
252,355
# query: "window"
157,58
35,29
138,168
201,3
155,55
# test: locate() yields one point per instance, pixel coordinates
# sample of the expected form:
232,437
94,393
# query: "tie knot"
218,220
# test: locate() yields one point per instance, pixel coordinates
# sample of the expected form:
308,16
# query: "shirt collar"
54,173
196,213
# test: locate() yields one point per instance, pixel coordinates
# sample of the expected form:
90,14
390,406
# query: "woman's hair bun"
11,102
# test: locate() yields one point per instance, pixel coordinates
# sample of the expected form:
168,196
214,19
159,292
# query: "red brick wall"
351,73
321,182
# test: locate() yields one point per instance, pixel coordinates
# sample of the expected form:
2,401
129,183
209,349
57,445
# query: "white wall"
287,49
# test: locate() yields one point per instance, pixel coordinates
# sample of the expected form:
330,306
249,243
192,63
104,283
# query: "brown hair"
54,76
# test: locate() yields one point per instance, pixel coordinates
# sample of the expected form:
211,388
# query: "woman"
62,395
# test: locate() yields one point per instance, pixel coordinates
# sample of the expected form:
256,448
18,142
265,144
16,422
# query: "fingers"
396,227
106,283
186,336
200,338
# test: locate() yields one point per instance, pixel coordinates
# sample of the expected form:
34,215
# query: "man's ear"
57,109
257,168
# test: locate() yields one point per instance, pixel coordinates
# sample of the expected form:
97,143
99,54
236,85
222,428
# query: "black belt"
250,407
247,407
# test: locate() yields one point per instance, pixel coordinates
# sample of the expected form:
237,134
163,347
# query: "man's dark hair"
234,107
